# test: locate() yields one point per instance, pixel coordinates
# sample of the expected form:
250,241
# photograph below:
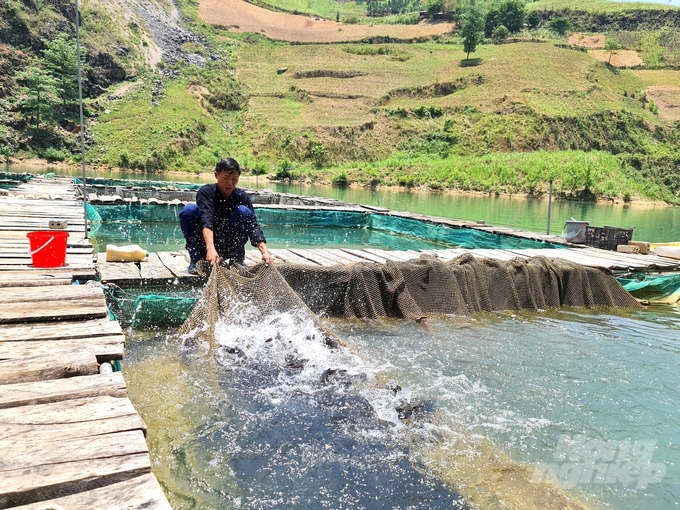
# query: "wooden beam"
59,330
140,492
58,390
105,348
117,272
67,363
152,269
52,310
35,471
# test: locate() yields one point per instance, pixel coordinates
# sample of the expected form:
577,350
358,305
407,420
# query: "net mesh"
413,290
233,292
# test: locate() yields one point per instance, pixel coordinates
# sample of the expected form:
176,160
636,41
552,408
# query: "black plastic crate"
608,238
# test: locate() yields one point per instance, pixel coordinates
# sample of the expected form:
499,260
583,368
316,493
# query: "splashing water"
411,415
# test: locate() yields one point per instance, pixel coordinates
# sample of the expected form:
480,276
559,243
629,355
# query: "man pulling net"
221,221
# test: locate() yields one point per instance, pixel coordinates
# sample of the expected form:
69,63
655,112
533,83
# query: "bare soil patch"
620,58
245,17
667,100
592,42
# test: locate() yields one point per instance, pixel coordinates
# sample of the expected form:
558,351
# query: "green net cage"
150,306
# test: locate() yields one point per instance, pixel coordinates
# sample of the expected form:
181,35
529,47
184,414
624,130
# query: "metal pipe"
549,206
82,124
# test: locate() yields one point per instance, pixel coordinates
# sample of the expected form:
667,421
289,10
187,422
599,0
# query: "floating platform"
69,436
171,267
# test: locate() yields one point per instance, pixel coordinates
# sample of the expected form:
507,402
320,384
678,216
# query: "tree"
509,13
611,46
533,19
500,34
560,25
449,6
512,15
41,93
434,7
471,30
60,58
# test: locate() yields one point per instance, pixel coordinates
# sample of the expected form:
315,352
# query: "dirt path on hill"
245,17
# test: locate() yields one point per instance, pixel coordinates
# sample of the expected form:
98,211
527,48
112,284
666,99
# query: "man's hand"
211,253
212,256
266,256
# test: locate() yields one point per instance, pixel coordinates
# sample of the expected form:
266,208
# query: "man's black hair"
228,164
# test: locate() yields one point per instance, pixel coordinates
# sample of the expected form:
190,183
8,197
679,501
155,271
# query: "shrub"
284,170
560,25
51,154
259,168
533,19
124,159
340,179
500,34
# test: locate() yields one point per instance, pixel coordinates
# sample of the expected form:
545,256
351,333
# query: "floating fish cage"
608,238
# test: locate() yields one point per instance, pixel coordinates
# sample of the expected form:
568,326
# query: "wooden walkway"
69,436
171,267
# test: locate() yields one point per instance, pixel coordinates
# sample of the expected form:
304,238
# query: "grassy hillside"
511,119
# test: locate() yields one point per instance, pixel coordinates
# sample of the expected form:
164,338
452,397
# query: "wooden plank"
252,257
176,262
313,256
367,256
67,363
60,293
387,255
70,419
33,278
153,269
59,330
44,453
136,493
32,472
412,254
117,272
58,390
52,310
332,256
288,257
344,257
105,348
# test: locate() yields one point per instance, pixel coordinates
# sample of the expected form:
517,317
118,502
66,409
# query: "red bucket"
48,248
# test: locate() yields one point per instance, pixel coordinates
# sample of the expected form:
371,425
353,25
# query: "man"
219,224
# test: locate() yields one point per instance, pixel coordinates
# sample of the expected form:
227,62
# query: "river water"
506,410
654,224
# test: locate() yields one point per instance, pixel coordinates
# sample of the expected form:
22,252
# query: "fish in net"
235,294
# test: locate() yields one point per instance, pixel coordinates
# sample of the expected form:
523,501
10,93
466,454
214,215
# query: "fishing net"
239,296
463,286
413,290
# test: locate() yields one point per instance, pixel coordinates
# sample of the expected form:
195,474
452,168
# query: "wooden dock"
69,436
171,267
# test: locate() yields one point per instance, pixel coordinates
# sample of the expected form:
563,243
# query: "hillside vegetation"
515,116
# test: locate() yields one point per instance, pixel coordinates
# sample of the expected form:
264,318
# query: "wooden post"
82,126
549,206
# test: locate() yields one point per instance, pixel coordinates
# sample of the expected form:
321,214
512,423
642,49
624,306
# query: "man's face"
226,181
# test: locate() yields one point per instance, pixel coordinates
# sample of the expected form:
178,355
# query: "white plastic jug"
129,253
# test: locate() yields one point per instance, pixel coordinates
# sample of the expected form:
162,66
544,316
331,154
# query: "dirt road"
245,17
